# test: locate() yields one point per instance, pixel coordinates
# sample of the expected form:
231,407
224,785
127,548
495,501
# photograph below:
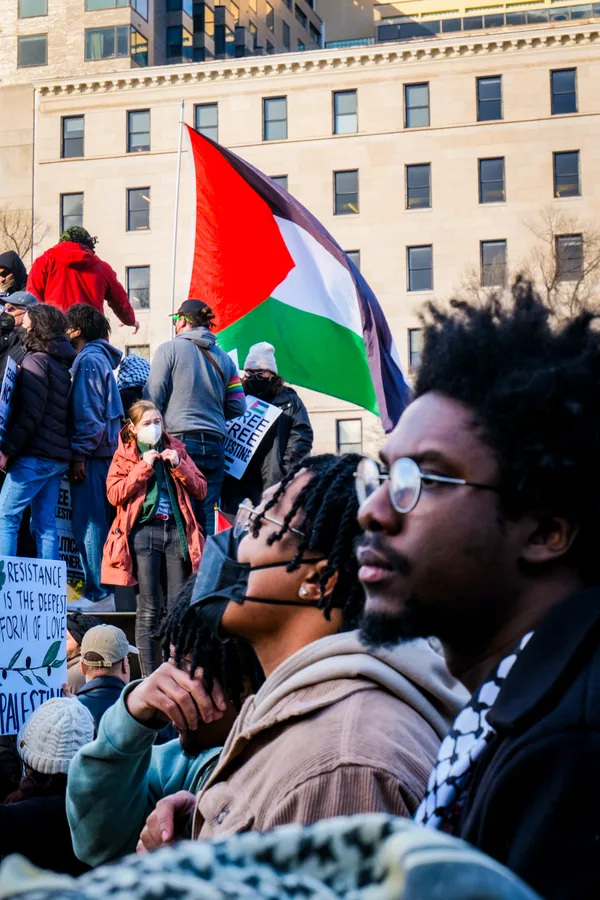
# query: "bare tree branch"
19,232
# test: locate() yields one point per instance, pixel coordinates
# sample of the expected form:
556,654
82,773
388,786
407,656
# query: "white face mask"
150,434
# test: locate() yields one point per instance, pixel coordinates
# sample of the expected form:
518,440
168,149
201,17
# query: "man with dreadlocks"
482,529
334,730
199,688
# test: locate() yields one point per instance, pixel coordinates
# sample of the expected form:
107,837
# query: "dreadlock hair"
534,388
329,508
231,662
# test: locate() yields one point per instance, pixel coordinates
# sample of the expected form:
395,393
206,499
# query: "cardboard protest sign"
245,434
33,630
67,546
6,392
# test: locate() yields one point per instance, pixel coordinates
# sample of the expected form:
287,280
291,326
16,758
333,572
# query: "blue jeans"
91,518
31,481
209,457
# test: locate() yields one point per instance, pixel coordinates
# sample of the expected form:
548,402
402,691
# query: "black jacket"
13,262
534,803
38,829
99,694
38,424
11,345
287,442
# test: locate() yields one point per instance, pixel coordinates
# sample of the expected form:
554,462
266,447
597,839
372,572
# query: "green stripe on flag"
311,351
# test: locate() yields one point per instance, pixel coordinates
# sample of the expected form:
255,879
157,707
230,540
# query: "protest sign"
33,629
67,546
245,434
6,392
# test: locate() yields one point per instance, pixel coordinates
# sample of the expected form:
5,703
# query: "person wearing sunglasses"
481,529
13,274
12,330
334,730
197,388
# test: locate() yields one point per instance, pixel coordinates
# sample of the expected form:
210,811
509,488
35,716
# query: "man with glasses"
481,528
13,274
197,388
12,332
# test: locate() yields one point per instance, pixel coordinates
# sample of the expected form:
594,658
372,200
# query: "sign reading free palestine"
33,630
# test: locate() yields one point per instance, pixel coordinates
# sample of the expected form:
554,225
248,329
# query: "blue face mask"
221,580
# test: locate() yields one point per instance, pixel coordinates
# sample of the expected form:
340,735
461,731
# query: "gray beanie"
54,733
261,356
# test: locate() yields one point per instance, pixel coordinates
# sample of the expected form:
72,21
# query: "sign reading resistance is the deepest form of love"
33,631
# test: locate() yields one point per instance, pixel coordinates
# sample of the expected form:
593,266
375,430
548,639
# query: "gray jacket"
188,390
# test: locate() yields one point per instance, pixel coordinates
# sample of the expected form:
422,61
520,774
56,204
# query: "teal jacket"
116,781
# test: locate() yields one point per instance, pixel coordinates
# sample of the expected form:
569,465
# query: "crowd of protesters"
409,638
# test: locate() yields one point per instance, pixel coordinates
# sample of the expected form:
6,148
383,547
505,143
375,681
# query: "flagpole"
176,222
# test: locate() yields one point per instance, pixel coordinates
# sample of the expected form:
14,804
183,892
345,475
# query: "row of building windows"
100,43
137,211
29,9
569,254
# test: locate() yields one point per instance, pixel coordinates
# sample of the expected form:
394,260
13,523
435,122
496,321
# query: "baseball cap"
21,299
194,308
105,645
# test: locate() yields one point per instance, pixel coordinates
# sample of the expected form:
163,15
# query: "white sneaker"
107,604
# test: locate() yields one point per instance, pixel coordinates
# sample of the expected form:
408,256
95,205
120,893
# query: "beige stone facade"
382,147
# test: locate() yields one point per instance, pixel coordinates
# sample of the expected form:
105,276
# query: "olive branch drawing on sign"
49,662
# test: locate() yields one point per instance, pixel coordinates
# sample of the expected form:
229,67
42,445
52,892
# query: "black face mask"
221,580
7,323
257,385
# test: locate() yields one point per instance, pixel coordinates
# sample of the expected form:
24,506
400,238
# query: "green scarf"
161,476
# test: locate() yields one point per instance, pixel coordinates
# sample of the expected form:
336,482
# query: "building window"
71,210
566,174
139,48
270,48
72,137
415,347
354,257
420,268
138,130
563,85
345,185
493,263
138,209
569,257
301,45
315,33
179,43
30,8
206,120
141,8
489,99
491,180
416,105
349,436
91,5
32,51
142,350
418,186
286,35
138,286
301,16
270,17
105,43
275,119
345,114
281,181
253,4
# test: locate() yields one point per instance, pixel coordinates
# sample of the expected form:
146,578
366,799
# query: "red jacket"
126,488
71,273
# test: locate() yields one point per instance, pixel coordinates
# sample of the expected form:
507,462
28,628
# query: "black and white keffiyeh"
134,371
460,749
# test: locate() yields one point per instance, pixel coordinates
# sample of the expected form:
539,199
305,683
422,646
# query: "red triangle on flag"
239,255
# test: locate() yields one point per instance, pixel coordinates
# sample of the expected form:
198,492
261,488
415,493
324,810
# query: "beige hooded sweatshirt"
335,730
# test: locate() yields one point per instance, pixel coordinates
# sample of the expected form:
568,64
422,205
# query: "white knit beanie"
261,356
54,733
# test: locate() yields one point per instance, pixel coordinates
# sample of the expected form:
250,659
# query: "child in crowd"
33,820
155,540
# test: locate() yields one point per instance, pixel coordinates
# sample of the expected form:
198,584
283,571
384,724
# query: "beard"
379,630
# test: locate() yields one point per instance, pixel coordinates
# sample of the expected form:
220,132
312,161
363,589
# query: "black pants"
161,571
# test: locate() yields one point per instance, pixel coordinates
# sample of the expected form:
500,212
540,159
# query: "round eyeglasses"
405,481
246,512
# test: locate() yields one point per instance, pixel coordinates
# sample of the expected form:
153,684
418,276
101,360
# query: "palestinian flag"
271,272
